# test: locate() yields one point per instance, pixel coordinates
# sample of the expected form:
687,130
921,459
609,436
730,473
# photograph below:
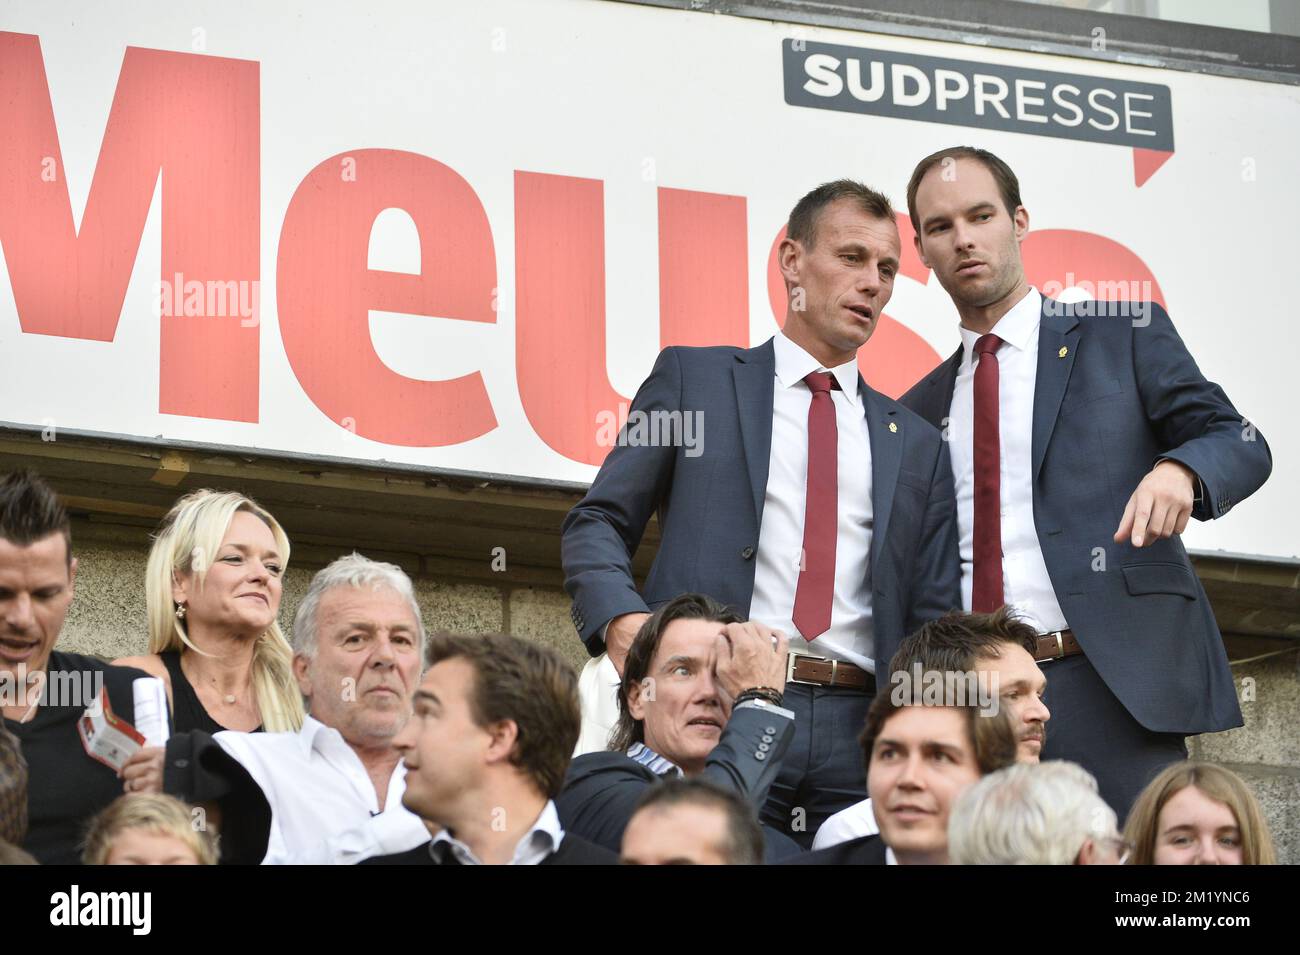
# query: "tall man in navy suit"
812,503
1082,440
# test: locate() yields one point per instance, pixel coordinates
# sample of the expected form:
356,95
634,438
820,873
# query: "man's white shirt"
541,840
323,805
780,537
853,823
1026,584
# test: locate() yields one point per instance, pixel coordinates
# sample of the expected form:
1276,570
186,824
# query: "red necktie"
816,589
986,593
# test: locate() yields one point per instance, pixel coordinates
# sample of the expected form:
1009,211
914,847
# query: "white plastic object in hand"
151,710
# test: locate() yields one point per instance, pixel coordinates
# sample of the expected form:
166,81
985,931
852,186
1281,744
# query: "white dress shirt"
540,841
853,823
780,536
1025,583
323,808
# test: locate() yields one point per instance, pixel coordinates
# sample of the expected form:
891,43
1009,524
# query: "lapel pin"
893,427
1063,352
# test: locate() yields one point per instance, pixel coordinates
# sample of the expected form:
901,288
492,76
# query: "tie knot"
821,382
987,344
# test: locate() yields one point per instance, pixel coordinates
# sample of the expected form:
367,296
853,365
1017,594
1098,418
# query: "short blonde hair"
155,813
188,540
1216,782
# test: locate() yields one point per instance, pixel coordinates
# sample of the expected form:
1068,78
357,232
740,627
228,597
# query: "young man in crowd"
998,649
919,760
495,720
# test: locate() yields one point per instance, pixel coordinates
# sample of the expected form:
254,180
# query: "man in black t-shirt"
44,693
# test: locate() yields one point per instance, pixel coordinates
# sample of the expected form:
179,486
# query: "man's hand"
619,634
1161,505
747,655
143,772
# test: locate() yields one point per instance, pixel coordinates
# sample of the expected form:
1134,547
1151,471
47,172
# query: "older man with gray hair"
335,787
1035,814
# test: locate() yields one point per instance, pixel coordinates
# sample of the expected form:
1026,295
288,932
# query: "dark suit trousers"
823,770
1091,727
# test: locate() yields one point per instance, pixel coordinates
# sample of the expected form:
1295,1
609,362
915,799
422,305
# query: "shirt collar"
1016,327
793,364
890,858
314,733
536,844
659,765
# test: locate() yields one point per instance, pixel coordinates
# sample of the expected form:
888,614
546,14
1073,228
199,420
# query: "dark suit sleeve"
600,797
603,789
601,534
738,762
1195,420
936,577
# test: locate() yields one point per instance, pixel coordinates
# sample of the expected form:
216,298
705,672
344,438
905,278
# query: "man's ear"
920,250
788,255
502,736
1021,220
302,673
636,703
72,576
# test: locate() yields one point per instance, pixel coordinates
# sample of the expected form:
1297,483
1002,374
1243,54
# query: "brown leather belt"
1057,645
820,671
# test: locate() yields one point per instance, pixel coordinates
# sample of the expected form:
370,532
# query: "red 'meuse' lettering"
325,290
198,119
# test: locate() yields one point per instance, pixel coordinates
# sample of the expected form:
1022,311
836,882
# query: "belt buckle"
1060,646
792,657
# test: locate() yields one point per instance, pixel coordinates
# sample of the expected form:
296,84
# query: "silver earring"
180,612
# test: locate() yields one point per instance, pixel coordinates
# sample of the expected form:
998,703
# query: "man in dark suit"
920,759
495,720
701,698
810,502
1082,437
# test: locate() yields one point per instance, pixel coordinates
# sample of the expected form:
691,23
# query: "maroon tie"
816,589
986,592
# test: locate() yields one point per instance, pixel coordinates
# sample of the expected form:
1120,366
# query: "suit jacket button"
760,755
747,553
767,738
763,747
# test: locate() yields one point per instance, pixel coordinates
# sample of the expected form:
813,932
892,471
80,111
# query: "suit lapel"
1058,339
886,459
753,375
936,400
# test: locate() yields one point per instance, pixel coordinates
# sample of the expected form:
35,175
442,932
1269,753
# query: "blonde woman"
149,830
1198,814
212,592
